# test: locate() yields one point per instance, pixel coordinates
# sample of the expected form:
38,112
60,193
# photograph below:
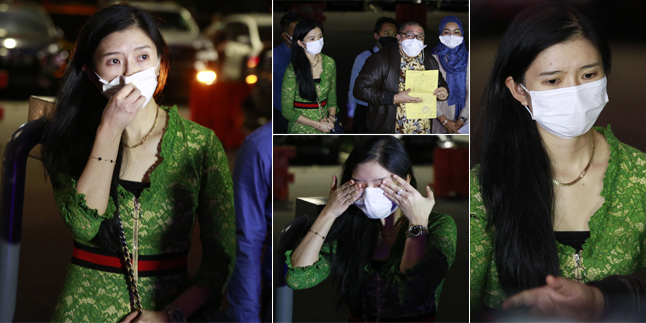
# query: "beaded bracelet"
316,233
100,159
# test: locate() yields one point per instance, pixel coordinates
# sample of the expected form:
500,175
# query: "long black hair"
515,172
70,133
356,235
300,62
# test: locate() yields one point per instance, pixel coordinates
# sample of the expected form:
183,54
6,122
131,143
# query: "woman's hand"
147,316
342,197
561,298
441,93
414,206
324,126
122,108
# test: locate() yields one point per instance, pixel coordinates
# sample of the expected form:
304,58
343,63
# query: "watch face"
414,230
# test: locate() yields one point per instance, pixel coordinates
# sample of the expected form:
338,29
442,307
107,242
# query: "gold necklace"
147,135
317,61
585,171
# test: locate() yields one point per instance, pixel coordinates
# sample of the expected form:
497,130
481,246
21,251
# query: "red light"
253,61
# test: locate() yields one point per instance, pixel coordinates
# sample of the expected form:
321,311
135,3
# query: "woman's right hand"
122,108
342,197
323,126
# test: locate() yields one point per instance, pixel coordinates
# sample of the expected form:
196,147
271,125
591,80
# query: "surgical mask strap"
526,107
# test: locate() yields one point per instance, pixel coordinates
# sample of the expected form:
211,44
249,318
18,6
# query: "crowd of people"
305,96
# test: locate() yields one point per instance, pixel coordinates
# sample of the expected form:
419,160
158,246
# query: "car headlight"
206,77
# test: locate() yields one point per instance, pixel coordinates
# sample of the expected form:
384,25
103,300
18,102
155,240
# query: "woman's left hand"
414,206
147,316
441,93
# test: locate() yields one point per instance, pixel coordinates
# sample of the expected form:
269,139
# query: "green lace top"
411,293
326,90
617,237
191,182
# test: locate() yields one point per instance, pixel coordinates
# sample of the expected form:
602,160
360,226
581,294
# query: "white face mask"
145,81
314,47
569,112
451,41
412,47
374,204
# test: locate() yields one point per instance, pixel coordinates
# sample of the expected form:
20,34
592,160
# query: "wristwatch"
175,314
333,116
445,121
416,230
463,119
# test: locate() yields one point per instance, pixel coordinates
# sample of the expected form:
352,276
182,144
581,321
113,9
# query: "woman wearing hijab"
453,56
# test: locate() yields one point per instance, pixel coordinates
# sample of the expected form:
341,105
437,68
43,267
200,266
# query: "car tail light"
253,61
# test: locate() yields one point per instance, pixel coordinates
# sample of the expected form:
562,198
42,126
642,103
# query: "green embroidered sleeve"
309,276
288,93
216,215
82,220
428,274
331,95
480,247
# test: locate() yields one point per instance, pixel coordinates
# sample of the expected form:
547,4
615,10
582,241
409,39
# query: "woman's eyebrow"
110,53
142,47
590,65
549,73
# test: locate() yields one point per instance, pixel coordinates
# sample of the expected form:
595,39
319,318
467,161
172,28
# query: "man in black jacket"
381,83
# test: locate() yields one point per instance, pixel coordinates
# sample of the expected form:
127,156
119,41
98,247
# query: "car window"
238,32
172,21
24,23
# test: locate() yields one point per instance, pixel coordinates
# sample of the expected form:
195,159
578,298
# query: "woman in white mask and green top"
308,95
552,196
379,238
131,178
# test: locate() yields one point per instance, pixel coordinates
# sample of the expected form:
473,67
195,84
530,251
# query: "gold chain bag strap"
135,299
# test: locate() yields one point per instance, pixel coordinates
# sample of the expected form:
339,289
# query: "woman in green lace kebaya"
308,95
131,178
388,251
551,195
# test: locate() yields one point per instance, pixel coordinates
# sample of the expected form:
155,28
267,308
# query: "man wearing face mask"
281,58
382,83
385,34
453,56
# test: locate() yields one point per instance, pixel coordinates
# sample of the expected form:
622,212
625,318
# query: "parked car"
30,55
192,56
244,37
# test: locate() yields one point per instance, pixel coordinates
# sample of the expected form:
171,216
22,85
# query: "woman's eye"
144,56
589,75
553,82
113,61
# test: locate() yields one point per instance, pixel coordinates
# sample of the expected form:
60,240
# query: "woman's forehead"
370,171
566,56
125,40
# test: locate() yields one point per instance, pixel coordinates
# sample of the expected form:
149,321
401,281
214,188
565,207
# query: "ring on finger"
401,189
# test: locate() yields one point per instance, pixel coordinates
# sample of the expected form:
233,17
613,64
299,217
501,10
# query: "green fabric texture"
191,182
617,236
442,235
326,89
